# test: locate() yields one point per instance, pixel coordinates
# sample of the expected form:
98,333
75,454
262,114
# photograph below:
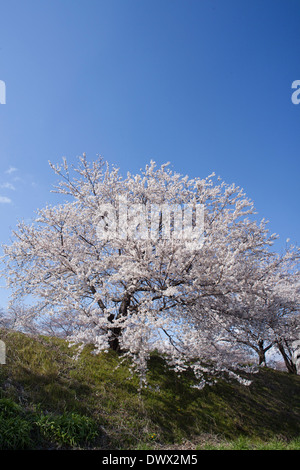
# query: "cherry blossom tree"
152,279
265,315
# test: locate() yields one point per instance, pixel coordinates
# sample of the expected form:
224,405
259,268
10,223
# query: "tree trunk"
291,367
262,352
116,332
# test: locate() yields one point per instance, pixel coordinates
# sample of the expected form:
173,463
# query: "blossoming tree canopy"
159,283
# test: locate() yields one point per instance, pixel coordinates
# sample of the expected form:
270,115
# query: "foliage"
21,429
68,429
15,427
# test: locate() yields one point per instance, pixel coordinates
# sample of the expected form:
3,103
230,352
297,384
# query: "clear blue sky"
204,84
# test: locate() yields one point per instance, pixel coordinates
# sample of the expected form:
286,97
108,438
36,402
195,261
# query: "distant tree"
146,280
265,314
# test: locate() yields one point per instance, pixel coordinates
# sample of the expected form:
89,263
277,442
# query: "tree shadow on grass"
270,406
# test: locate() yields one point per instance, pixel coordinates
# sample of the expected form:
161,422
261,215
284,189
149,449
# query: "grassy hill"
50,400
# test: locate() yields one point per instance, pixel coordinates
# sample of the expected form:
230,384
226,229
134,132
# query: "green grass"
61,402
244,443
15,426
68,429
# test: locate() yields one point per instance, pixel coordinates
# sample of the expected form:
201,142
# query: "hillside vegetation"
49,399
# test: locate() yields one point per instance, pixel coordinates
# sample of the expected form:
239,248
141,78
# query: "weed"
68,429
15,427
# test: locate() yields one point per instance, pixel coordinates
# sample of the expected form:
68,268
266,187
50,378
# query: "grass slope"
50,400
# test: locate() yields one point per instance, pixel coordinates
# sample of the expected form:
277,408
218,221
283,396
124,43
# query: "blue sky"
204,84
